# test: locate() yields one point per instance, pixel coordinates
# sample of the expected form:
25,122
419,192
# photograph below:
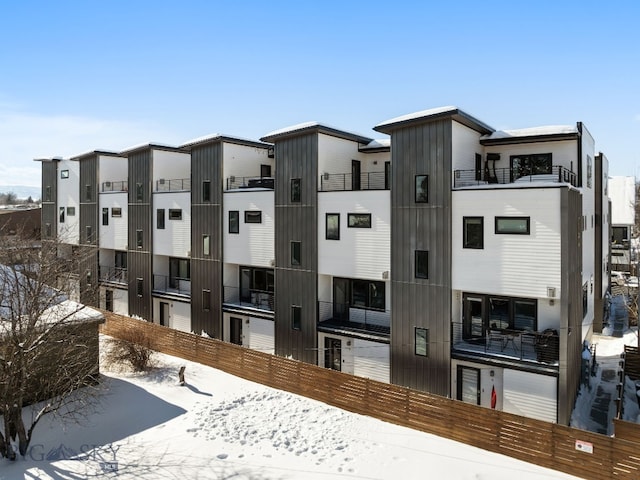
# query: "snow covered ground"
219,426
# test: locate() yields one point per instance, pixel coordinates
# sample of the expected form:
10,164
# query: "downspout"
579,127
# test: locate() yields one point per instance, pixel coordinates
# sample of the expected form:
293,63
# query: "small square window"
295,190
206,300
61,217
422,342
513,225
296,253
252,216
422,188
359,220
160,218
71,211
473,232
422,264
206,245
64,174
206,191
105,216
116,212
139,287
332,226
296,317
139,239
234,221
175,214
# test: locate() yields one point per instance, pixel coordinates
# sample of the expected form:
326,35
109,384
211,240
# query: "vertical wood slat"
534,441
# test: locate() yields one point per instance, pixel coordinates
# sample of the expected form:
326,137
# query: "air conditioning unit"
326,175
385,275
107,184
161,181
232,178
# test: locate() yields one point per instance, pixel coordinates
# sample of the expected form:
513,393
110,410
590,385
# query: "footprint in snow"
222,456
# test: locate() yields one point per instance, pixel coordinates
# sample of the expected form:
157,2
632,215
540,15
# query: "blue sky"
82,75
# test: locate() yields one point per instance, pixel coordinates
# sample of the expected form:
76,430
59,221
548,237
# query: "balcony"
174,185
172,285
503,176
250,298
522,345
340,182
234,183
342,316
120,186
113,274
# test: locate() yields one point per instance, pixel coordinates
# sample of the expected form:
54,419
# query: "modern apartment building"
623,219
449,257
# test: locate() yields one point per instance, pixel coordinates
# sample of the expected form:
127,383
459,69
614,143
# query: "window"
367,294
524,165
206,245
257,285
589,170
486,312
175,214
139,192
105,216
295,190
160,218
179,269
332,226
524,314
234,221
47,230
64,174
108,300
139,287
116,212
359,220
513,225
296,254
296,317
139,239
422,264
89,233
88,193
206,300
71,211
61,217
47,193
121,260
422,188
585,299
88,277
252,216
206,191
422,342
472,232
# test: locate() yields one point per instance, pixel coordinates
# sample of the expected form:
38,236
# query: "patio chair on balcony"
495,336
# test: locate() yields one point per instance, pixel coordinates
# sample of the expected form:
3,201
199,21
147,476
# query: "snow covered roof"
433,114
522,135
313,126
381,144
220,137
98,151
149,145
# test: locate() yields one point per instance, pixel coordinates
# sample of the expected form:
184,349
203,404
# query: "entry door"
473,327
235,331
355,174
469,384
265,170
341,299
333,353
164,314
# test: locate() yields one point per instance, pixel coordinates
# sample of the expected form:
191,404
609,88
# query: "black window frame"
175,214
421,188
179,269
466,240
139,192
253,216
585,299
503,231
358,220
296,190
206,245
139,239
296,253
330,232
105,216
140,287
61,215
421,348
47,193
234,221
421,264
206,190
160,219
116,212
296,317
64,174
88,193
367,294
206,300
88,230
499,312
530,164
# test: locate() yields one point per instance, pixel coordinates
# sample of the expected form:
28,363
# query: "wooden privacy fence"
577,452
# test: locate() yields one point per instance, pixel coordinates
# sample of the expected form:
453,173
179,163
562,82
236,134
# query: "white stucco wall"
175,239
244,161
114,235
465,143
69,196
363,358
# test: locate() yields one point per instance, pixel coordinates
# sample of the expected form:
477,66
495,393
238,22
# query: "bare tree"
48,344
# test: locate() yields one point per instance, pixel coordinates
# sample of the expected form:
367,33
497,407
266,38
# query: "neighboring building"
450,258
623,213
24,221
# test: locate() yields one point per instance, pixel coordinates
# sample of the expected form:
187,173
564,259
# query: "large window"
535,164
332,226
179,269
482,313
234,221
422,342
359,220
472,232
257,286
513,225
422,188
367,294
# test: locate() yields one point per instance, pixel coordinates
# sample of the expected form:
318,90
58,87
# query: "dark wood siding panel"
571,304
296,285
206,275
89,205
88,274
206,164
50,208
425,303
598,302
139,266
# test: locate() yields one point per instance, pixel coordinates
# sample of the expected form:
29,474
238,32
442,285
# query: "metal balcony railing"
250,182
336,182
248,297
556,174
348,317
173,185
176,285
119,186
540,347
113,274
